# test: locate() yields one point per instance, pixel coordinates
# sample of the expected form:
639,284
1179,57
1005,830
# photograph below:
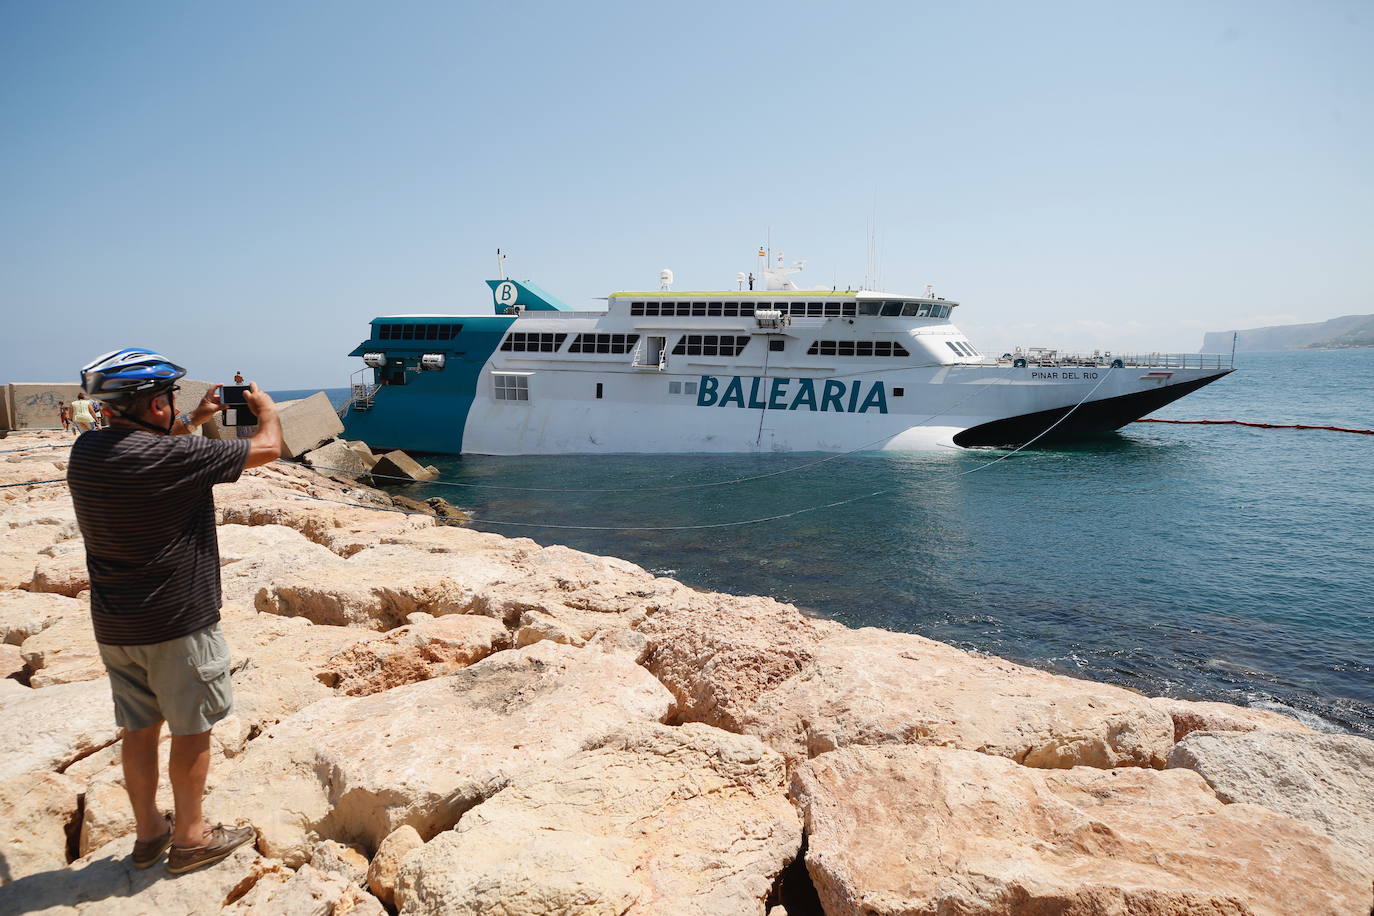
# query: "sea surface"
1202,562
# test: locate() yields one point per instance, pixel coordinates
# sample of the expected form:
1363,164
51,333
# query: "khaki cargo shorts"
183,681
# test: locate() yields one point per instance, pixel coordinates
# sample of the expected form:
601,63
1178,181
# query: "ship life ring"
1118,364
1019,362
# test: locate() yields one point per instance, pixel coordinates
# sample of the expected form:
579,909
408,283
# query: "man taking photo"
144,502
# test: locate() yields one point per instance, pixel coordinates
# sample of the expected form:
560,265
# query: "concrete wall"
33,405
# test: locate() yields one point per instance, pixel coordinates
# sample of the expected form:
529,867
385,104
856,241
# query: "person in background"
98,412
83,417
238,377
64,416
144,499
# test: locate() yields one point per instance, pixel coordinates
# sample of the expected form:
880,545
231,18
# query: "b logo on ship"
792,394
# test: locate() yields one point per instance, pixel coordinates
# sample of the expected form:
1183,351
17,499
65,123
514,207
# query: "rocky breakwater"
431,719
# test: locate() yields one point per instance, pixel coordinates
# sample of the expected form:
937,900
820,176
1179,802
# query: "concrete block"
33,405
399,464
338,456
307,424
365,453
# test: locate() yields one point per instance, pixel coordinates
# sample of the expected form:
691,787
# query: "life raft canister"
1118,364
1019,362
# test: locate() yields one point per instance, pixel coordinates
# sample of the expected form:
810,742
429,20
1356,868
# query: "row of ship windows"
874,308
856,348
448,331
418,331
688,345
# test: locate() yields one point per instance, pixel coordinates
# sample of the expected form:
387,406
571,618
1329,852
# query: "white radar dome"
665,279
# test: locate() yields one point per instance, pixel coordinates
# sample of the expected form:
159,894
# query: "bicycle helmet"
122,373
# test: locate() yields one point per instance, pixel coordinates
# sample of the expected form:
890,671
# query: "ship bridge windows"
905,309
856,348
603,343
419,331
710,345
532,342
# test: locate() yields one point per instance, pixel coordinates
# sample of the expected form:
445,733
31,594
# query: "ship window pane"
870,308
925,310
832,309
892,309
636,308
848,309
689,388
713,309
899,350
846,348
911,309
813,309
675,388
699,308
511,387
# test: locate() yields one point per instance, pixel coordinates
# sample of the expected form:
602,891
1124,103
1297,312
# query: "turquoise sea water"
1201,562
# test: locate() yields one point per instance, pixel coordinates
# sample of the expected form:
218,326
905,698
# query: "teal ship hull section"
429,410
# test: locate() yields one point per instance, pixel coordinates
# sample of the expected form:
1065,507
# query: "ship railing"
361,395
1051,359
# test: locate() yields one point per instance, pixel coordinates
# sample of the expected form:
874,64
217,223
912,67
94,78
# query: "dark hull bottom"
1093,417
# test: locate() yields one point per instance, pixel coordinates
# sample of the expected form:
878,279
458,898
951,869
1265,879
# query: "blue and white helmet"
122,373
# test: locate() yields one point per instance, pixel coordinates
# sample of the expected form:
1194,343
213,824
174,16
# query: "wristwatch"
187,422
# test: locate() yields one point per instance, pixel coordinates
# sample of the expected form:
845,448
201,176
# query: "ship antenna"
500,268
1234,335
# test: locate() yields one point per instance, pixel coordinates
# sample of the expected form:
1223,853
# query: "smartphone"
238,413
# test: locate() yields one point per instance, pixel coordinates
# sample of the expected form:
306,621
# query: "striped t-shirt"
146,509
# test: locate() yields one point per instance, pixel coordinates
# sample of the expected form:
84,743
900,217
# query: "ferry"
773,369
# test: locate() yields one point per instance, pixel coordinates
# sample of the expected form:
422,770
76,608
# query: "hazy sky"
244,185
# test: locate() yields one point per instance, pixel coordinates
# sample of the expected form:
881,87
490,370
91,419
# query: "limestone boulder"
381,586
385,867
306,891
24,613
719,654
11,661
450,570
38,807
55,512
969,833
326,512
104,883
1325,781
63,653
1192,716
61,569
689,820
20,550
342,861
414,652
281,665
59,725
252,556
826,687
355,769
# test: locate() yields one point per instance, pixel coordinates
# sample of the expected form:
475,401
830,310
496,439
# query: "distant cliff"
1348,331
